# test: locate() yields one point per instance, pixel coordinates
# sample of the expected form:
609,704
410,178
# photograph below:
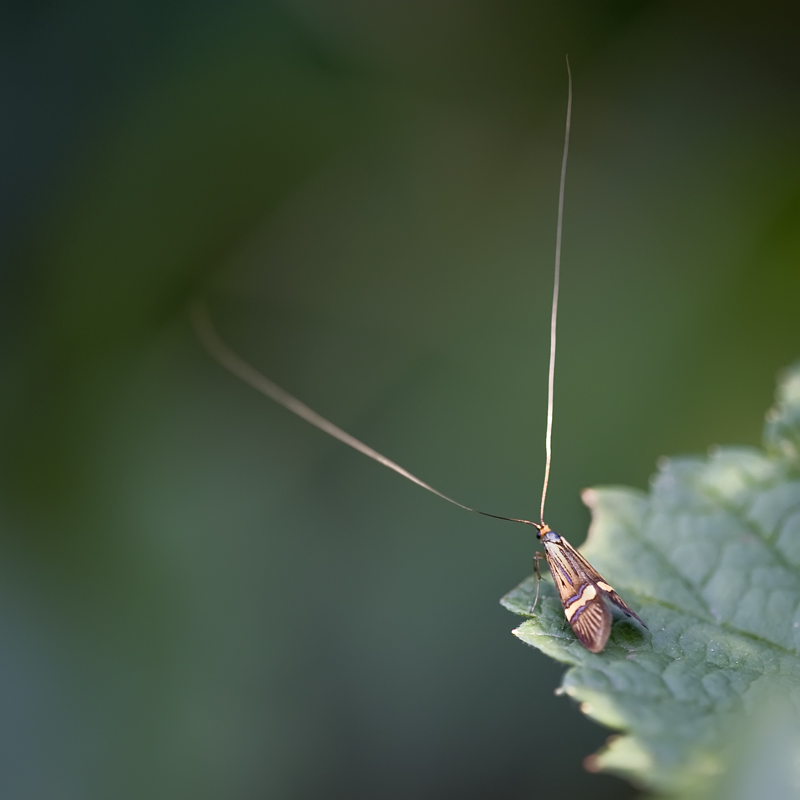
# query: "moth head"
548,536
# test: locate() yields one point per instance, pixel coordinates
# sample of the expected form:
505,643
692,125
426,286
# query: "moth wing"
618,602
582,600
592,624
608,590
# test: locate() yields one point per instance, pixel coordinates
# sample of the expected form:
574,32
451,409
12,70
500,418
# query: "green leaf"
710,559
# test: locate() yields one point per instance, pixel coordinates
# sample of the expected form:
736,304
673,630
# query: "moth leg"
536,558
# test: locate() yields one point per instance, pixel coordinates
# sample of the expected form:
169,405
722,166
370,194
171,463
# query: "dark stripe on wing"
592,624
614,598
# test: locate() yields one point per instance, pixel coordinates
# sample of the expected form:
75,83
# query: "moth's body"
584,594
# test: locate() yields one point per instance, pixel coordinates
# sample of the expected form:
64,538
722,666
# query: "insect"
584,594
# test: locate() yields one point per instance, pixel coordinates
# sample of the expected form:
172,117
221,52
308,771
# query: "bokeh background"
202,596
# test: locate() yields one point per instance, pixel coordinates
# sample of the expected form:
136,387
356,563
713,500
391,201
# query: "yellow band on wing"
589,593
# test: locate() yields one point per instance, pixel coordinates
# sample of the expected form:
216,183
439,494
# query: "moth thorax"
549,537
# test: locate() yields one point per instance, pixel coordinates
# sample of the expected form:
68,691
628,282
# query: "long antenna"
548,442
222,354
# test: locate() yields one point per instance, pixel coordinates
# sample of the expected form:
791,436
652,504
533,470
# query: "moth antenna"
554,314
223,355
227,358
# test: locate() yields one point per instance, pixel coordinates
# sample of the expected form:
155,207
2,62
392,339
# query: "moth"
587,599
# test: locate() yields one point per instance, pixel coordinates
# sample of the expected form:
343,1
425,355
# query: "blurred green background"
202,596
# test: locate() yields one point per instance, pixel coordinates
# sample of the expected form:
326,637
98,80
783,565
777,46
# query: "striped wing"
591,621
583,593
604,587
